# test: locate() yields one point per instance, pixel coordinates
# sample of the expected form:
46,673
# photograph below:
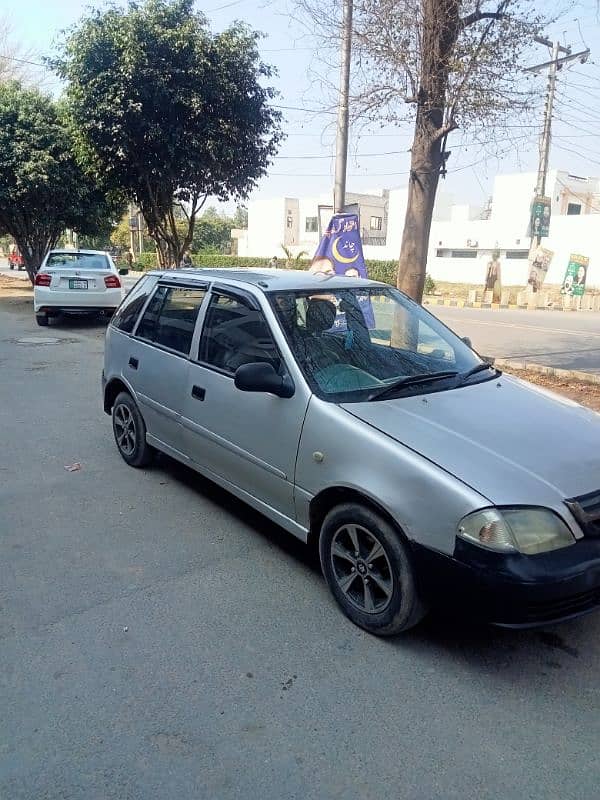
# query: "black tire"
382,596
42,320
133,447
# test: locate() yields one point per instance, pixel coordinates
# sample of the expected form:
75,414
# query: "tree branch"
447,128
476,16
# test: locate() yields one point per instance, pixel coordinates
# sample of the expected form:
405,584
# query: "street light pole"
341,149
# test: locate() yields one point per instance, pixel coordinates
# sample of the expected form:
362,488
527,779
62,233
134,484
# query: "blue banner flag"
340,249
340,252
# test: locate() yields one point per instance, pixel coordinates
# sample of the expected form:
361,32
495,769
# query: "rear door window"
170,317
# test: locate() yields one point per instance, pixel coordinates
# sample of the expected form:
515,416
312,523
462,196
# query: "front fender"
338,450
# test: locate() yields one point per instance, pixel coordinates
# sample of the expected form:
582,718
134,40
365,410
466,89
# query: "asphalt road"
160,640
568,340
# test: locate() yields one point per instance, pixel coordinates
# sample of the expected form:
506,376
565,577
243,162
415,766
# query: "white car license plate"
78,284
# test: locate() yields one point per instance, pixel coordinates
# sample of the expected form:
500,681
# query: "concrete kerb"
542,369
455,303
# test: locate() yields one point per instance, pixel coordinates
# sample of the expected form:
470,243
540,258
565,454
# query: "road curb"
541,369
454,303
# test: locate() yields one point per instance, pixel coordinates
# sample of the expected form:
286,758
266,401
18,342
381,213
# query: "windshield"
354,344
78,260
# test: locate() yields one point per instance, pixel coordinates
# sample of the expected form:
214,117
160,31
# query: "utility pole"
552,66
341,148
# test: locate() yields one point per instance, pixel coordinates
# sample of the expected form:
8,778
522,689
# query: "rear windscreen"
78,260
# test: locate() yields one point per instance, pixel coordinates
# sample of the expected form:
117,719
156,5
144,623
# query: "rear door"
157,363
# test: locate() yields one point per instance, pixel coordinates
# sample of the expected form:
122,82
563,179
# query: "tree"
43,188
212,233
439,65
16,63
291,259
170,112
240,218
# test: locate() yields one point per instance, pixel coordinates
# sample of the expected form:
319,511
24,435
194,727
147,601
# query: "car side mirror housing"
261,377
467,341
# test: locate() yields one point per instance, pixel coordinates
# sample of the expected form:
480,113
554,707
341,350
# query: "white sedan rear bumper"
74,300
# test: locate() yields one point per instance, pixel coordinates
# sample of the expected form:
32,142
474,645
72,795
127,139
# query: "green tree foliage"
240,218
170,112
212,233
43,188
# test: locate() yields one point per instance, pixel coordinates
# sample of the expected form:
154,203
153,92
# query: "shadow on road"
485,648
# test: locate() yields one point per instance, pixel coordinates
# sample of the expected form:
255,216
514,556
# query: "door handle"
198,392
133,362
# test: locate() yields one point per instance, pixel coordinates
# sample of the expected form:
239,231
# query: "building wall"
455,228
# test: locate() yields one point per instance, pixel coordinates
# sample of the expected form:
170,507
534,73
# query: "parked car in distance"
361,424
76,281
16,260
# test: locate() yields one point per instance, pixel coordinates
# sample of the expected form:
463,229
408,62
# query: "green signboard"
574,282
540,216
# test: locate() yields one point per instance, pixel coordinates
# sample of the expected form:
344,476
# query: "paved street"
568,340
160,640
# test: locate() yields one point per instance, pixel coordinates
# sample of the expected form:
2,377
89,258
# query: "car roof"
267,280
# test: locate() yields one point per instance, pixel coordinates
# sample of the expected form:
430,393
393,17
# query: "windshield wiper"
474,370
411,380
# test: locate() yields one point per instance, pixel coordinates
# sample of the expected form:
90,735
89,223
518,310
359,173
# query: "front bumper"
512,589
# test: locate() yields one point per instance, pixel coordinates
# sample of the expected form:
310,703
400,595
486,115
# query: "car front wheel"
130,432
369,570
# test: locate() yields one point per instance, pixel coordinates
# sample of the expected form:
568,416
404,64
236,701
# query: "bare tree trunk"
422,188
440,27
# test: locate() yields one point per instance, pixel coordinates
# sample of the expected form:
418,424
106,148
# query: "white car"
76,281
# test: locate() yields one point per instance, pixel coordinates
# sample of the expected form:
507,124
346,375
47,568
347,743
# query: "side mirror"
123,271
261,377
467,341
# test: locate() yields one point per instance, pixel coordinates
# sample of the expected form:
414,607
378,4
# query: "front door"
247,439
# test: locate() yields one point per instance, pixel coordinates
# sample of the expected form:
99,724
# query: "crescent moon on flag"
338,257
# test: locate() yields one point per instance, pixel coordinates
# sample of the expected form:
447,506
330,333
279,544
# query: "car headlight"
523,530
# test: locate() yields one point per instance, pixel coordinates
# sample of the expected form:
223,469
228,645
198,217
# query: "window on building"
573,209
290,220
311,225
463,253
512,254
376,223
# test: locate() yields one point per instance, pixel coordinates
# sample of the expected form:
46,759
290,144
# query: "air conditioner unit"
471,243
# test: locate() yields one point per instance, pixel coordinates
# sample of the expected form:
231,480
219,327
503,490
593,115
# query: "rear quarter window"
129,310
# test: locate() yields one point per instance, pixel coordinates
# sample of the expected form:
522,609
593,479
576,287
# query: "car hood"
511,441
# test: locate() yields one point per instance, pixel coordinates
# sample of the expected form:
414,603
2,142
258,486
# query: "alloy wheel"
125,430
362,569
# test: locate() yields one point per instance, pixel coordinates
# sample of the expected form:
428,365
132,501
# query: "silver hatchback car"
359,423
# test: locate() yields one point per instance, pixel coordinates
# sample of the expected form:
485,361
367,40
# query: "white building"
462,237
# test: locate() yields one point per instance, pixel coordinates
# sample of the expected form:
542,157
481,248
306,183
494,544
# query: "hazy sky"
379,159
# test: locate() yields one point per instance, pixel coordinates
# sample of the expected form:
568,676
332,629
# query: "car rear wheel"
42,319
369,570
130,432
